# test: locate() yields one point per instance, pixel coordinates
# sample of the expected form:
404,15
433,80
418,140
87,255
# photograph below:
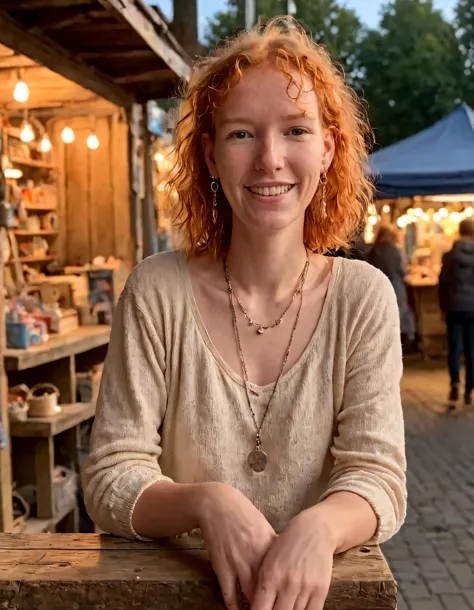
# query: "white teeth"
270,191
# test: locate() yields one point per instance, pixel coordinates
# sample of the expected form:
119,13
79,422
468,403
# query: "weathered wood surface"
49,572
70,416
58,346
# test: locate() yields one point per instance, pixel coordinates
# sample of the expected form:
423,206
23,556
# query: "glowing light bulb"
373,220
455,217
386,208
443,213
45,144
21,93
27,134
436,217
468,211
93,141
418,212
68,135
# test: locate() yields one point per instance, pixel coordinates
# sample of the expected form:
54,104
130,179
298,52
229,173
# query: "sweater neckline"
186,276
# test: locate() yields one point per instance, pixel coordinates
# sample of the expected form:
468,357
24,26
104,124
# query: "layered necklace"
257,458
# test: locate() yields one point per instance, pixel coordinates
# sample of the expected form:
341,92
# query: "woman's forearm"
168,509
347,517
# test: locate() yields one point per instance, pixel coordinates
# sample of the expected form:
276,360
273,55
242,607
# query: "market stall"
77,212
425,184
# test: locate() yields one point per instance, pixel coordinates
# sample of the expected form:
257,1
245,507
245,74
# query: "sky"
368,10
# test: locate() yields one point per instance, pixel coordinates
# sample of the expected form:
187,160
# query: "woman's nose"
270,155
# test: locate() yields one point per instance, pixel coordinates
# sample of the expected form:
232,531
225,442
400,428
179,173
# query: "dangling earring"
324,178
214,189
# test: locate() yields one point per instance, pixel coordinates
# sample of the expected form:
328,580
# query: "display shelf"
32,163
32,259
41,232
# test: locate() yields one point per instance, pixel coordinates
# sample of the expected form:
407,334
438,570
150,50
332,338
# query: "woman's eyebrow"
286,117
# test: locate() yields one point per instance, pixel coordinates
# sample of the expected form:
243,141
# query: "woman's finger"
316,602
246,579
264,598
286,600
228,584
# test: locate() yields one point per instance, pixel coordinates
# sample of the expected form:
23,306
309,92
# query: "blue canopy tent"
437,161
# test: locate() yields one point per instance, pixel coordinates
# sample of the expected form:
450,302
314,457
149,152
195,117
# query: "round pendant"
257,460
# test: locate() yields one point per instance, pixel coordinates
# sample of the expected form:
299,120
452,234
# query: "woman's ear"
329,149
208,147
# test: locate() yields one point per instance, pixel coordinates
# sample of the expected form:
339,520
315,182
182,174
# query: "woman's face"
267,153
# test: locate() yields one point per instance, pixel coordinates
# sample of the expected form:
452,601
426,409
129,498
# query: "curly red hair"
348,193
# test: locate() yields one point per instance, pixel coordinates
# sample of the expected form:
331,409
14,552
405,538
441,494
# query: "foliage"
410,70
464,23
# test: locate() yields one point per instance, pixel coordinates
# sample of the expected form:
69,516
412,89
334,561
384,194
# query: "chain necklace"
258,459
263,327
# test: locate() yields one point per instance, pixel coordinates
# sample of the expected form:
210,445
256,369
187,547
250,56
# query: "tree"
464,23
185,26
225,24
411,70
338,28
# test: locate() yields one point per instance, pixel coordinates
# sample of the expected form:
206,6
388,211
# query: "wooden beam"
6,506
16,61
147,28
45,51
65,22
106,53
156,75
29,5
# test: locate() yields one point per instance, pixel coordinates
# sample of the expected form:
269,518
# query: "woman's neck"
267,265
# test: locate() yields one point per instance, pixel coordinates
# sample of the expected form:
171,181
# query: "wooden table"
57,571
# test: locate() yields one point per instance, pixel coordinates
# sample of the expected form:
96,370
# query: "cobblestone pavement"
432,557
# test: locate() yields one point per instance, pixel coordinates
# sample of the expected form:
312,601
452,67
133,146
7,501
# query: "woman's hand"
237,537
296,572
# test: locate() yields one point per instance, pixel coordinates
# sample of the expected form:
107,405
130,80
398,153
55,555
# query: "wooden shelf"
39,526
25,233
59,346
40,208
32,259
70,416
32,163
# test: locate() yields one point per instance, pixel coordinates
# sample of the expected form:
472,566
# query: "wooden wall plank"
120,180
60,157
101,218
78,194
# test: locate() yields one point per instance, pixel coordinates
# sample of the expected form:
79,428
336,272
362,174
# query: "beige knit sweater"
171,409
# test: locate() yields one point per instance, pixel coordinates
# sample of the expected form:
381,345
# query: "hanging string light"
27,134
45,144
93,141
21,93
68,135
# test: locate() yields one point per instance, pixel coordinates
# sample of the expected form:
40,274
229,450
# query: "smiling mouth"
270,191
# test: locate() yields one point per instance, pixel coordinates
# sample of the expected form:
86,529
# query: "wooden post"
149,224
6,507
134,120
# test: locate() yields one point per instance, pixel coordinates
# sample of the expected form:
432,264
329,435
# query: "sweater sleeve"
125,443
369,444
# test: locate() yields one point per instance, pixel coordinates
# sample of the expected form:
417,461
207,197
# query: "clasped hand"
291,571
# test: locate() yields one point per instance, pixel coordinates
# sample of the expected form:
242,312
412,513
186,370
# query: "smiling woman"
251,388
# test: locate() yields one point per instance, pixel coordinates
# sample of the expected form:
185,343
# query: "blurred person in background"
386,255
456,297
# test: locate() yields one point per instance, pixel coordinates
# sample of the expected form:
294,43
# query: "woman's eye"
239,135
298,131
